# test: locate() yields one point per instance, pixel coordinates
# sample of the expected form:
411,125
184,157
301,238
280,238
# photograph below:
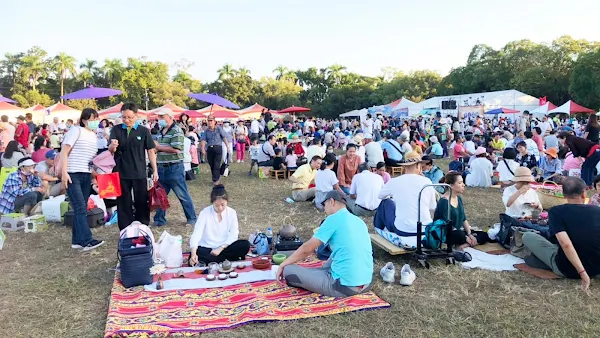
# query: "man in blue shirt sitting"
392,149
349,270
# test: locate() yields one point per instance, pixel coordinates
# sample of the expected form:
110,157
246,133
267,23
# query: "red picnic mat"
135,311
539,273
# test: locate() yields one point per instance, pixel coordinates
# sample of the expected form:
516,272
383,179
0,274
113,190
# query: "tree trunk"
62,88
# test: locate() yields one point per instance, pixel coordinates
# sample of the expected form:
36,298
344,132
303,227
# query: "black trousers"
392,163
214,155
126,205
459,237
237,251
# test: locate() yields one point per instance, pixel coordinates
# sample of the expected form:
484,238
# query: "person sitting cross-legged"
364,192
215,236
47,173
550,168
303,178
577,229
349,270
22,189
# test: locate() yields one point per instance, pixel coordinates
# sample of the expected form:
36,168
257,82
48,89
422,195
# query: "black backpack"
506,230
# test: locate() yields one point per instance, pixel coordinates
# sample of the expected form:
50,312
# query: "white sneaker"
407,276
238,161
388,273
76,246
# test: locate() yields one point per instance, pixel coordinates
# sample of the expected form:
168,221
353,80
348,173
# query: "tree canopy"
564,69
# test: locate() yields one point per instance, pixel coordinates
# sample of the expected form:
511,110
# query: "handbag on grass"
158,198
517,247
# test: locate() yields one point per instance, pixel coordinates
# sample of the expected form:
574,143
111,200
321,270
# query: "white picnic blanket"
201,283
486,261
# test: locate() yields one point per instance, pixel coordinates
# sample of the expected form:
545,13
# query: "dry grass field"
49,290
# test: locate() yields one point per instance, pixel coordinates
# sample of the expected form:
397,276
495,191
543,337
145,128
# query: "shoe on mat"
388,273
76,246
407,276
93,245
462,256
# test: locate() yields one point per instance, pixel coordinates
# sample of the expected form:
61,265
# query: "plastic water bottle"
289,200
270,235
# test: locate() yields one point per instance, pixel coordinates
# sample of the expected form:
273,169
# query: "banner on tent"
470,112
402,112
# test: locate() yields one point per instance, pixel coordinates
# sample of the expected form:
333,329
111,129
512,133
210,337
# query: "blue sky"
364,36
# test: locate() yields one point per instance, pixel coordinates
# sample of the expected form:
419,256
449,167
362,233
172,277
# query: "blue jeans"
323,252
79,192
173,178
346,190
588,168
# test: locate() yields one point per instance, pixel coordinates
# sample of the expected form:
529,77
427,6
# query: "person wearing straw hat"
550,168
404,191
360,148
481,171
22,189
520,199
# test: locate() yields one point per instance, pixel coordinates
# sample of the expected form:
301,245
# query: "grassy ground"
49,290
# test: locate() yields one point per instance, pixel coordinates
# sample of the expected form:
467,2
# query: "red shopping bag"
109,185
158,198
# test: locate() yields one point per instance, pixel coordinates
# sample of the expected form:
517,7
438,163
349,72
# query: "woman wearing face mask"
79,147
215,236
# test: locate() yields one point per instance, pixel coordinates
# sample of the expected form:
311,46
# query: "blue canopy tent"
502,111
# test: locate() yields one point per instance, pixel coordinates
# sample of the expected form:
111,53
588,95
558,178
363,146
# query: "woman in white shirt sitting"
481,170
520,199
215,236
507,166
326,180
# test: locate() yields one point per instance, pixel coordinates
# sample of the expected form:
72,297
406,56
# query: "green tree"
281,71
226,72
335,73
113,71
585,80
83,103
278,93
34,66
63,65
88,69
31,98
10,66
244,72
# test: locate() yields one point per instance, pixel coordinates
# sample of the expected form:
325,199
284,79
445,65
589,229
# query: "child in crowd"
291,159
278,161
381,171
254,151
194,152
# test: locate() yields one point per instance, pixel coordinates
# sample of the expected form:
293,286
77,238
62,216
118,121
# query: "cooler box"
95,218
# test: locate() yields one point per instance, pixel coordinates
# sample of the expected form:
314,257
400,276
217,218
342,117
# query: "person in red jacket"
22,132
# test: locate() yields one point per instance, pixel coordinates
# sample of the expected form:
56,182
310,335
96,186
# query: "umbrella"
213,99
293,109
502,111
92,93
224,114
6,99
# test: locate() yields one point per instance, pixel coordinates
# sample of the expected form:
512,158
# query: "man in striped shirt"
171,174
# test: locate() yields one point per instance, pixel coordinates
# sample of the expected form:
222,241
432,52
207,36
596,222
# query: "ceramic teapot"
287,231
226,265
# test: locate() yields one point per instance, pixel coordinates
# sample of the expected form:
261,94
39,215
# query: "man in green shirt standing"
171,174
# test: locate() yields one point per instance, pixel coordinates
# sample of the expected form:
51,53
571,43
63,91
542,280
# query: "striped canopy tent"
63,112
37,107
571,107
10,110
192,114
252,109
109,112
216,107
174,108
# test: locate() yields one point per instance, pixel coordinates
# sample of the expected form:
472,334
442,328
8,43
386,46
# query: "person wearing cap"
405,147
47,173
212,147
131,143
364,192
550,167
435,150
171,173
22,132
22,189
404,191
358,140
481,171
303,178
349,270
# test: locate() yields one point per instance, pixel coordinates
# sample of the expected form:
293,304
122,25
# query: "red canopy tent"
193,114
37,107
293,110
223,114
571,107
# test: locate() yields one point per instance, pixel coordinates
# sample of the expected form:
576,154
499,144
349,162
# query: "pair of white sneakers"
388,274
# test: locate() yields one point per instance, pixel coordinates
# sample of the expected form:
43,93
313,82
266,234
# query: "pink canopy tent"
255,108
37,107
117,109
193,114
223,114
571,107
10,110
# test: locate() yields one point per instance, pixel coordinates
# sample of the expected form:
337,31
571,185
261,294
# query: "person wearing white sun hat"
481,170
22,189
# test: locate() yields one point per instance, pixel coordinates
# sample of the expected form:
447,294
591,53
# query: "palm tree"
10,65
63,65
34,67
335,72
281,72
244,72
89,67
112,69
226,72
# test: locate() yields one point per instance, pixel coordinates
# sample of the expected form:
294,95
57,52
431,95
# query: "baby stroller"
423,255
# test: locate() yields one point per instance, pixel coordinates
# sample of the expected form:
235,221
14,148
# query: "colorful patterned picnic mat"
135,312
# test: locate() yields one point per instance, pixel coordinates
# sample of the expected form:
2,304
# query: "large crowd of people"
51,159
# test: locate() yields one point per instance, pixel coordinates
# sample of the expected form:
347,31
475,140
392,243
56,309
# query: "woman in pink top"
40,150
571,162
459,149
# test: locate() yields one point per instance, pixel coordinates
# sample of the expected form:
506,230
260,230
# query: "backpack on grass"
435,234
